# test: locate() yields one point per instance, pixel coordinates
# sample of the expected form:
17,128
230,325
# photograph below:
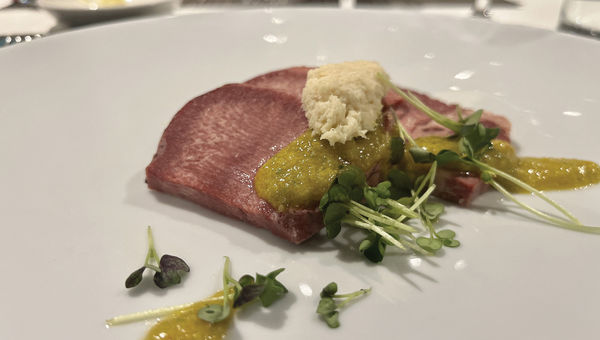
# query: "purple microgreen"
248,293
135,278
168,269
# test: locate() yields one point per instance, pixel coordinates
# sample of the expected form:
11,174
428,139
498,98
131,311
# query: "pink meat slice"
420,125
290,80
461,188
211,150
458,187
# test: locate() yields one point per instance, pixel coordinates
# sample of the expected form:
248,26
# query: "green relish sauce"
540,173
184,324
300,173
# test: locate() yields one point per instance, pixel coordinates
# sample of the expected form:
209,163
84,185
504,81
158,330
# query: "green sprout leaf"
446,234
352,176
451,243
329,290
332,319
273,289
445,157
383,189
421,155
373,248
333,219
431,244
326,305
432,210
371,196
397,150
472,119
401,184
324,201
331,303
246,280
339,193
475,138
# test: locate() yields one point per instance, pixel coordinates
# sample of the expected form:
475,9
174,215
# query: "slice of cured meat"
290,80
461,188
212,148
418,124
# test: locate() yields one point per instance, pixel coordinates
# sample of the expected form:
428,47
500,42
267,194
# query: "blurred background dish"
5,3
79,12
581,16
18,24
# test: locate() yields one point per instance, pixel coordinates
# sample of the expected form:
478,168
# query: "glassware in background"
581,16
481,8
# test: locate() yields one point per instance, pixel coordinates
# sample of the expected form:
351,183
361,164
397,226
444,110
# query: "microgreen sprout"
168,269
474,139
342,205
235,294
381,211
330,303
265,288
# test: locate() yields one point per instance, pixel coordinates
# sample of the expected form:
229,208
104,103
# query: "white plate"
77,130
76,12
5,3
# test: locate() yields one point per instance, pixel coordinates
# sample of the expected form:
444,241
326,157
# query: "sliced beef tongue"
461,188
214,145
419,124
456,187
290,80
211,150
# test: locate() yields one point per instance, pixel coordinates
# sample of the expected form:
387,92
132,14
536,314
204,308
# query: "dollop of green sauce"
300,173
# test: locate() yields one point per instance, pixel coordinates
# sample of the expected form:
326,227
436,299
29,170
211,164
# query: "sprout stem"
374,215
402,131
423,197
380,231
350,297
145,315
556,221
527,187
152,259
416,102
226,283
406,211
